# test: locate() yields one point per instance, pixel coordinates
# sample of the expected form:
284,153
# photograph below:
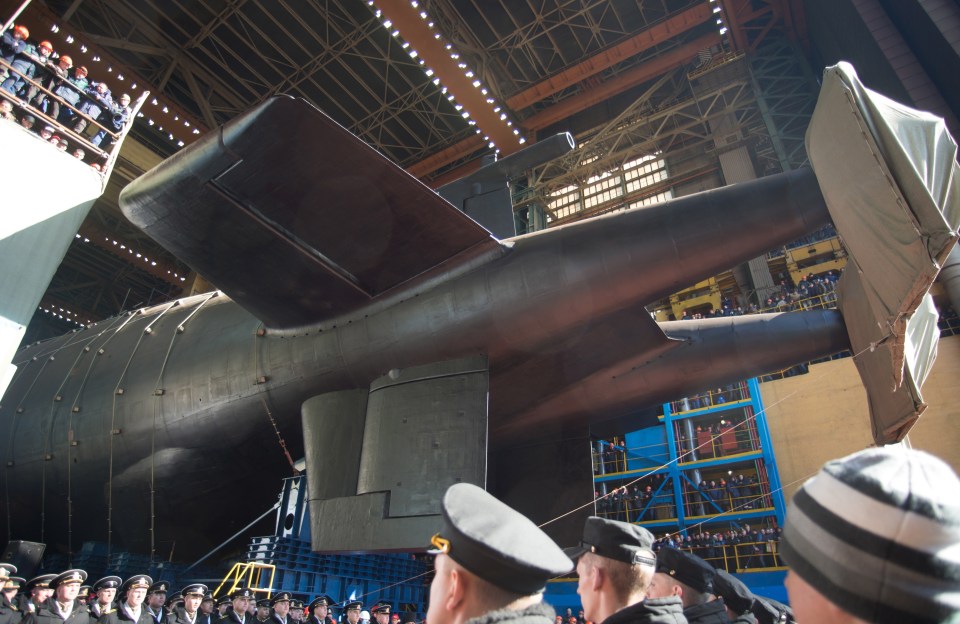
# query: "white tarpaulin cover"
890,179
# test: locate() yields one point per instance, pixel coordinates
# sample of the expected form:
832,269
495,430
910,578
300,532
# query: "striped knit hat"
877,533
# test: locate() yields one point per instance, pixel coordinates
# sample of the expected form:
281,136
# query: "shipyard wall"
823,415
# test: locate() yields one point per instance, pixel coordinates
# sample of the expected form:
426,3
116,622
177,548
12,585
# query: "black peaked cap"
498,544
620,541
687,568
734,592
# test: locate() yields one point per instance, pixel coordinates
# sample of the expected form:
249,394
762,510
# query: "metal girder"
657,34
415,30
120,44
630,78
647,129
198,94
446,156
786,94
738,40
68,311
103,239
750,21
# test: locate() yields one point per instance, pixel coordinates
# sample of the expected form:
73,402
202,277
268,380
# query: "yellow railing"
741,557
827,300
250,575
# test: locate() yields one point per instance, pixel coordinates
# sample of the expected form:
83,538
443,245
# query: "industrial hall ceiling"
433,84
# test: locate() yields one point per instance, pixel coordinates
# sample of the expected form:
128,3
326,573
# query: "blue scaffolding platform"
706,471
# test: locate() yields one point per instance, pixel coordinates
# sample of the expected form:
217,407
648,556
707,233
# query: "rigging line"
283,444
232,537
256,368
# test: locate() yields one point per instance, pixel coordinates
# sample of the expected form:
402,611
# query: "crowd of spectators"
811,292
739,492
651,498
718,396
645,499
730,550
36,79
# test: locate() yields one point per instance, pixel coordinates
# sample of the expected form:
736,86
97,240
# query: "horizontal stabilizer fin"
295,218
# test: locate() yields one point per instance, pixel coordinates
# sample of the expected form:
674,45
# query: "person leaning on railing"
95,99
26,64
69,89
13,42
49,75
115,118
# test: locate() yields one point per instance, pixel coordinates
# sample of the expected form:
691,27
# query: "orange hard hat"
46,44
81,70
22,30
66,59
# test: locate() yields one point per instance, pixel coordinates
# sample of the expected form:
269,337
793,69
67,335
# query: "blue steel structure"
712,437
398,578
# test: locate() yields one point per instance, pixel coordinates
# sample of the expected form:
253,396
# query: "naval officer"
208,610
381,612
189,611
156,601
320,610
296,610
281,608
492,563
63,607
35,593
263,610
106,591
615,565
240,600
9,611
352,611
130,609
691,579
